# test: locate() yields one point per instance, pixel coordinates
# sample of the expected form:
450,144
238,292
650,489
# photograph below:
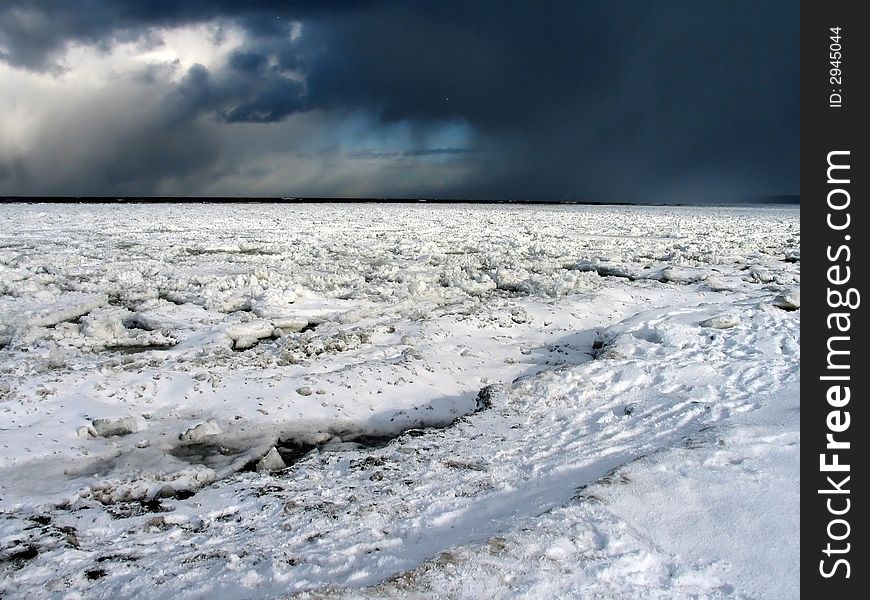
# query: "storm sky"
626,101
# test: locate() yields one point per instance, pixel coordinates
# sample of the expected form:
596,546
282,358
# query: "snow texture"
379,401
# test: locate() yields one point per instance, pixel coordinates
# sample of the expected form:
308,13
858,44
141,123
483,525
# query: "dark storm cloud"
248,90
627,101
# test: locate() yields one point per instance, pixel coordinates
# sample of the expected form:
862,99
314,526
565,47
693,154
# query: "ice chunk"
717,284
761,275
113,427
200,432
273,303
271,462
65,307
677,275
788,299
350,317
409,354
86,432
723,321
290,324
245,335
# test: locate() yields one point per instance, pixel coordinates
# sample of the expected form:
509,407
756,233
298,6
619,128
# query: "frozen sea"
399,401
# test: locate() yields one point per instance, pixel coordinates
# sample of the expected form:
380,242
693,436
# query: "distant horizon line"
786,199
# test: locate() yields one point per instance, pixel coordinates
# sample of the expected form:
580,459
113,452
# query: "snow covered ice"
259,401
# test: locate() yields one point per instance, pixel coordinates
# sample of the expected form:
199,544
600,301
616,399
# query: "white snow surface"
409,401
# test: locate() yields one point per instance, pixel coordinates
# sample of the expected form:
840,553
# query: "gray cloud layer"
628,101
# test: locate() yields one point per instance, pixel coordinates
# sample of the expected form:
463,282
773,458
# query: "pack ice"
377,401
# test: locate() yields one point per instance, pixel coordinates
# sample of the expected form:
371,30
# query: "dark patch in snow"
291,451
787,308
40,519
193,251
369,462
310,327
485,397
372,441
464,465
266,490
126,510
139,348
136,322
18,557
117,558
94,574
204,453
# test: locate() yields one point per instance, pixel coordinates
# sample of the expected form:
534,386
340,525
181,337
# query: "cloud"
627,101
35,33
434,152
248,90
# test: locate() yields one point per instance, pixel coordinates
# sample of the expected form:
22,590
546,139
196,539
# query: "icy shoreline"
153,354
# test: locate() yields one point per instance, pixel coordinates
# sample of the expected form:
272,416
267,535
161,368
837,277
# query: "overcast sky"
658,101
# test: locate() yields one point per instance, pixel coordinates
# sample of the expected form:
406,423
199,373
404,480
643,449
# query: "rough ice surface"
377,401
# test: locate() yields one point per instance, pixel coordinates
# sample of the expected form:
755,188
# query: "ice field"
415,401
